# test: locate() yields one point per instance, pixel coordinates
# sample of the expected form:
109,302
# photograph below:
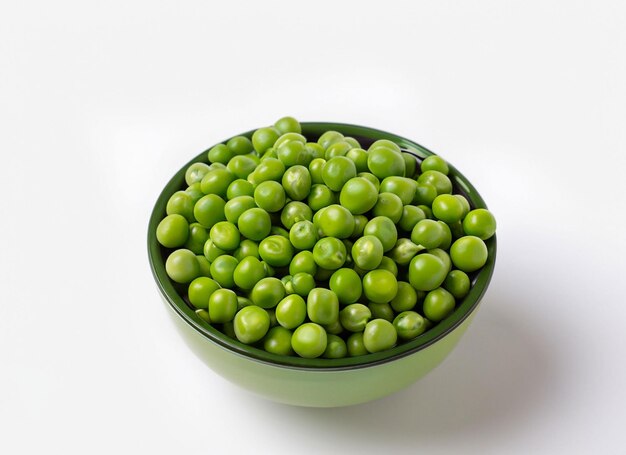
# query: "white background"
101,102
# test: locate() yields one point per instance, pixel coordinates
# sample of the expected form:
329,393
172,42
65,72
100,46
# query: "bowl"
320,382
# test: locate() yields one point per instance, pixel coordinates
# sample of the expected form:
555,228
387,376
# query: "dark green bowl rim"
436,333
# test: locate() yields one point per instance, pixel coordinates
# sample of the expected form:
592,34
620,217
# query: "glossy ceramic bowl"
320,382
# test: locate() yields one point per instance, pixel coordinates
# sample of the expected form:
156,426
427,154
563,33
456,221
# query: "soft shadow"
502,371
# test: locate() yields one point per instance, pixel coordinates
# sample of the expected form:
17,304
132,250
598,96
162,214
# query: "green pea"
196,172
480,223
276,250
293,212
380,286
457,283
270,196
182,266
225,236
293,153
211,251
337,171
172,231
241,166
223,269
315,169
217,182
381,311
335,348
203,314
320,196
264,138
322,306
385,162
209,210
315,150
239,187
388,264
291,311
198,235
359,226
336,221
435,163
355,345
358,195
447,235
409,325
405,299
428,233
379,335
411,215
427,272
243,302
444,256
200,290
309,340
359,157
448,208
402,187
181,203
288,137
236,206
205,266
303,235
339,148
404,251
388,205
251,324
220,154
346,284
329,253
277,230
383,228
222,306
267,292
303,262
371,177
329,138
440,181
247,248
195,192
468,253
297,182
355,317
410,165
278,341
268,169
303,283
465,203
254,224
248,272
239,145
438,304
367,252
288,125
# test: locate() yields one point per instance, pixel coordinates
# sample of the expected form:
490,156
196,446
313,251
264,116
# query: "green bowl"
320,382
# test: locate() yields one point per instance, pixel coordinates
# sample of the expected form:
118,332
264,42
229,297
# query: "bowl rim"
313,129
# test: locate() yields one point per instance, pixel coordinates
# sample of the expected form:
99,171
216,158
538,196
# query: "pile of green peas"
321,249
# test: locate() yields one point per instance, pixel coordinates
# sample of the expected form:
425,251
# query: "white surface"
100,102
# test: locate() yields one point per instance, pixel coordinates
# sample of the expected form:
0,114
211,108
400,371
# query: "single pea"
303,235
444,256
315,169
469,253
267,292
404,251
225,235
197,238
282,232
355,317
337,171
359,226
303,262
251,324
358,195
315,150
425,194
205,266
248,272
335,328
297,182
440,181
236,206
182,266
264,138
480,223
346,284
276,250
222,306
410,165
465,203
405,299
303,283
435,163
287,283
320,196
329,138
371,177
239,187
427,272
388,205
385,162
322,306
217,182
411,215
288,125
409,325
203,314
270,196
181,203
438,304
220,154
309,340
340,148
367,252
381,311
336,221
355,345
447,235
380,286
291,311
243,302
195,191
200,290
402,187
195,172
254,224
448,208
278,341
352,141
211,251
383,228
386,143
428,233
241,166
239,145
359,157
379,335
388,264
288,137
172,231
335,348
457,283
293,153
209,210
223,269
329,253
293,212
269,153
215,166
268,169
